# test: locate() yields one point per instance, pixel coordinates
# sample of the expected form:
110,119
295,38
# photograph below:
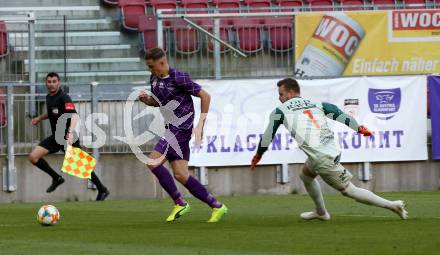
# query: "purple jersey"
179,87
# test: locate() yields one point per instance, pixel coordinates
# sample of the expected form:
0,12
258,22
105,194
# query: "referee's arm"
69,107
38,119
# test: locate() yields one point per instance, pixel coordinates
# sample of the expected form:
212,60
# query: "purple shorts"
175,144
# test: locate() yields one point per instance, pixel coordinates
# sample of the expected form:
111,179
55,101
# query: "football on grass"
48,215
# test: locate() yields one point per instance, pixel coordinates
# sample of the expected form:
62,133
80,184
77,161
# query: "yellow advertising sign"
367,43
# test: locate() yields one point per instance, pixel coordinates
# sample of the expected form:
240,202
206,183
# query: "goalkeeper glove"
255,161
364,131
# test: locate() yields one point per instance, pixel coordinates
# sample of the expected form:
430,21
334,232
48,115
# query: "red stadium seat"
147,28
224,35
353,5
164,4
111,2
4,48
187,41
227,6
257,5
234,5
292,4
202,5
415,4
390,4
3,113
321,5
280,34
131,10
249,37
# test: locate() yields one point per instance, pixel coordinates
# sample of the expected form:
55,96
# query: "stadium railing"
112,106
15,35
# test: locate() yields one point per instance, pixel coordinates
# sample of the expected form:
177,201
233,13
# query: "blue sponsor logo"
385,103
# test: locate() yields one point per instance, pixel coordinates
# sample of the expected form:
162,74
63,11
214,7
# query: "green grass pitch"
255,225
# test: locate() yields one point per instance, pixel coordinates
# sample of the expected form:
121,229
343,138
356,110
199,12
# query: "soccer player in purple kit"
171,92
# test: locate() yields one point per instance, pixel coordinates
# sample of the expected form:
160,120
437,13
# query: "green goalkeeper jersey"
307,122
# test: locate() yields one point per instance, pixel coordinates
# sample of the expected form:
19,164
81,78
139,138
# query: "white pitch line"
377,216
370,216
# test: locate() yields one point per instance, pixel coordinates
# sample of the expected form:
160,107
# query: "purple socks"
200,192
194,186
167,183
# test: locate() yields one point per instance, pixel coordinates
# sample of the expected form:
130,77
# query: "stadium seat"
391,4
224,35
148,33
257,5
3,113
321,5
415,4
4,48
131,10
164,4
186,37
280,34
293,5
202,5
249,37
352,5
110,2
234,5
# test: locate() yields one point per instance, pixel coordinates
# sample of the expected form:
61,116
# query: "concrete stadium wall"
128,178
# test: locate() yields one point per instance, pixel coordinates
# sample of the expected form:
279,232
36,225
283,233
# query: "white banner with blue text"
394,108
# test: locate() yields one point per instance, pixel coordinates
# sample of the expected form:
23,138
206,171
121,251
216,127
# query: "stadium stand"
352,5
186,38
94,38
280,34
257,5
292,4
233,5
415,4
4,47
131,10
163,4
384,4
249,35
147,30
201,5
3,115
227,6
111,2
321,5
225,34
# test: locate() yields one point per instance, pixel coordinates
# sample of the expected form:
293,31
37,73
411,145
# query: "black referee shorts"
52,146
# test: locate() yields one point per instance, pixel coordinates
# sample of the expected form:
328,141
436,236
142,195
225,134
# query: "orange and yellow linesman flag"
78,163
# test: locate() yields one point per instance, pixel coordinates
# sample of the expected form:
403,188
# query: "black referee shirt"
57,105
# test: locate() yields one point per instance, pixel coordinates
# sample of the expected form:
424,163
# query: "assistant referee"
58,103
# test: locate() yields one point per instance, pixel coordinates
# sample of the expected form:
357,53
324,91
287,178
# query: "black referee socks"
43,165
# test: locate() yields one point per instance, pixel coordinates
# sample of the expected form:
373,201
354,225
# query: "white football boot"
314,215
399,208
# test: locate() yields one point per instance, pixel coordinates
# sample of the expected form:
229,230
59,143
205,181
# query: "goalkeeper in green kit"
307,122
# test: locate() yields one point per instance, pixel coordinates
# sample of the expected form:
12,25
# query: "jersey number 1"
312,118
